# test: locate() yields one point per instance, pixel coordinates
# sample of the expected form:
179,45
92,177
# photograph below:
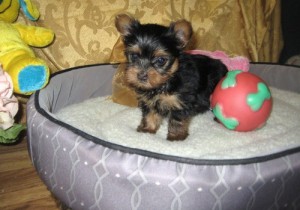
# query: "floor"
20,186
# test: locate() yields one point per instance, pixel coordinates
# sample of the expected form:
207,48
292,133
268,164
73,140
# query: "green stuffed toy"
28,72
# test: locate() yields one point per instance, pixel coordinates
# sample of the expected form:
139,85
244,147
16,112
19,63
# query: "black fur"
188,80
193,82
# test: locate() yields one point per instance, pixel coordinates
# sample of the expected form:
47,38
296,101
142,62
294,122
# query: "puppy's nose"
142,76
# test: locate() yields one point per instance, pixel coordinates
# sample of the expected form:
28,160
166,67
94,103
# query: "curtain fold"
85,31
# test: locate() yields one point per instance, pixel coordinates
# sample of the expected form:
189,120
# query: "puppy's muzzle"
142,76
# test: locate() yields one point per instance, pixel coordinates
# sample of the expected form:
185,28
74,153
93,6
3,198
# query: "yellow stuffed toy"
28,72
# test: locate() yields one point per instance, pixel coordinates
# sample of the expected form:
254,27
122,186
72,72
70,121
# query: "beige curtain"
85,32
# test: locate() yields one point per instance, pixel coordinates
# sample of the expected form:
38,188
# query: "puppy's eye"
160,61
133,57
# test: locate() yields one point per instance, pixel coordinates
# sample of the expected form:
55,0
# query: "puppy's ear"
183,31
124,24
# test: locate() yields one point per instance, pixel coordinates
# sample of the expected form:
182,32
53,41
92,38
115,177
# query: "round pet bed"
90,170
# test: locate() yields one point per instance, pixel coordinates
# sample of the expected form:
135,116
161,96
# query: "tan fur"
131,75
134,49
159,53
169,102
173,68
131,79
165,101
156,79
183,31
150,103
123,23
178,131
150,123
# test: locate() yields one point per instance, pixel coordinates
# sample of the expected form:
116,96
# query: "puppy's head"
152,50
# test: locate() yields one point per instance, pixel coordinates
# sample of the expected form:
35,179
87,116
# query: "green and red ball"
241,101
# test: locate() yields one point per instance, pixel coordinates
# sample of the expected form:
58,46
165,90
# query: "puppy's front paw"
178,130
144,129
177,136
150,123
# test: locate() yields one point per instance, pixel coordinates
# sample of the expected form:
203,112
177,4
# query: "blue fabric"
32,78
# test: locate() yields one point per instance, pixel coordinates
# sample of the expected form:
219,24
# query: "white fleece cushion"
115,123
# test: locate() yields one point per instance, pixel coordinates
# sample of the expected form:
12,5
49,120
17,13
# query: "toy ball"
241,101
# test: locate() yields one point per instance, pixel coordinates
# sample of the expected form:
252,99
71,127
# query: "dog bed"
86,150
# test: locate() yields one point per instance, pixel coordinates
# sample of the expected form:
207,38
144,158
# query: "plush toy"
232,63
241,101
9,131
28,72
8,102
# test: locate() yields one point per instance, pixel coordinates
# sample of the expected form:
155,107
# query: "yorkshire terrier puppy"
168,82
